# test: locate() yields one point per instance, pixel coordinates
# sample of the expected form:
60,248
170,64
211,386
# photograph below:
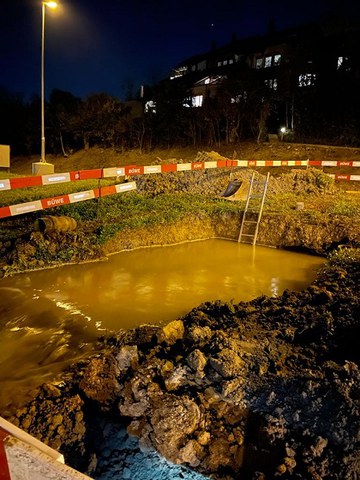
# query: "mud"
257,390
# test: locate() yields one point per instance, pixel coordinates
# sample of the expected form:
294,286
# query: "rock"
127,357
196,361
211,396
179,377
319,446
133,409
290,463
192,453
62,424
228,363
199,335
203,438
173,420
167,368
172,332
218,455
52,390
281,469
146,334
100,382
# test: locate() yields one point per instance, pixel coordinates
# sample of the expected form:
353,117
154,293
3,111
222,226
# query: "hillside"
98,157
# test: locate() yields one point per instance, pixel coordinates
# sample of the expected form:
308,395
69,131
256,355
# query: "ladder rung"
253,210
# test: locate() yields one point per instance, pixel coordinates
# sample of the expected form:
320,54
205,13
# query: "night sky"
113,46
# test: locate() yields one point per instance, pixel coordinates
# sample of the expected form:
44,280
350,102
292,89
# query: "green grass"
345,207
114,213
344,256
22,195
132,210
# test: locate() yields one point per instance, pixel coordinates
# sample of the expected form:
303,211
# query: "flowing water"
51,317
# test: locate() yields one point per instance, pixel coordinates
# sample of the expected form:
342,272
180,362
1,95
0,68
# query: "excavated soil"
256,391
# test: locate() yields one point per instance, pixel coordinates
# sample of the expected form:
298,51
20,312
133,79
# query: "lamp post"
43,8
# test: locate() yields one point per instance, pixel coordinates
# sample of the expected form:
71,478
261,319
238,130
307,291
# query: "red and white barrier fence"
346,178
333,163
131,170
18,209
271,163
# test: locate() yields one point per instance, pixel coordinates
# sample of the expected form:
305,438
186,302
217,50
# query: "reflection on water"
50,317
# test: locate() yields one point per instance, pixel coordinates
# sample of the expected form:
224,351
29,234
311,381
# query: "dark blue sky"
108,45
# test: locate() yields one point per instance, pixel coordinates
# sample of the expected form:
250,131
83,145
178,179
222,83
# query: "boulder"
172,332
173,420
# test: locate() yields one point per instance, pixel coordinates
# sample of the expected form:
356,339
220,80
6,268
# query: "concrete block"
42,168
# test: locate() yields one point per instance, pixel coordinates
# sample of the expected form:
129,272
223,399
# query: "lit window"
277,60
238,98
150,107
271,83
307,79
343,63
197,101
179,72
219,64
259,62
209,80
193,68
268,62
225,62
187,102
231,61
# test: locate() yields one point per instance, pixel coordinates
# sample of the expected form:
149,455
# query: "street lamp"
43,8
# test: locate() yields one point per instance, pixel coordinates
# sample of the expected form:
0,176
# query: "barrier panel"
25,457
343,177
18,209
131,170
333,163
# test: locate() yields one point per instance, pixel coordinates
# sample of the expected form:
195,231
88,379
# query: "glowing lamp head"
50,4
283,129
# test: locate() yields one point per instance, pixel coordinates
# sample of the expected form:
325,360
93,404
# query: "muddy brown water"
51,317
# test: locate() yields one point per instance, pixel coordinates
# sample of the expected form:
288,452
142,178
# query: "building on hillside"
293,68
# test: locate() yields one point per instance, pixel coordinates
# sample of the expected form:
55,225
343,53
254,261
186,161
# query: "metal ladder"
253,209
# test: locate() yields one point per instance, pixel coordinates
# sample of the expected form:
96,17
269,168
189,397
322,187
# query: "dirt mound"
214,181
